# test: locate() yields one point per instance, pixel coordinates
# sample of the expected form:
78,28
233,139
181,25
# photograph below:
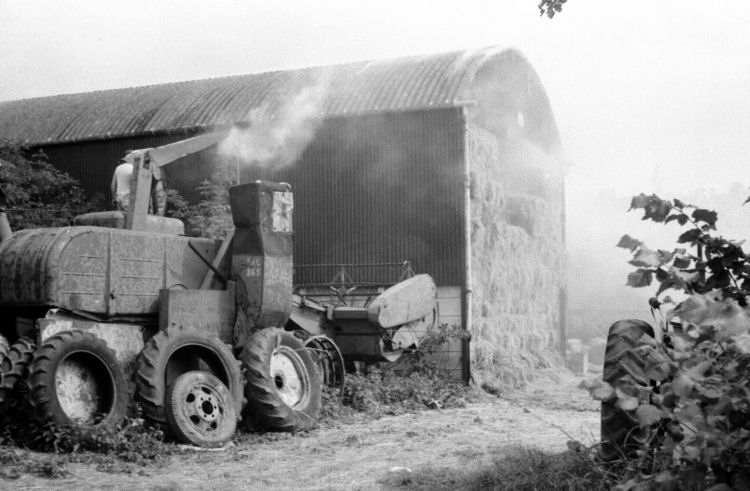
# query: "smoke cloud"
273,135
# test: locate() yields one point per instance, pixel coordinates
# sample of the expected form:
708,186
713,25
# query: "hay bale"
518,263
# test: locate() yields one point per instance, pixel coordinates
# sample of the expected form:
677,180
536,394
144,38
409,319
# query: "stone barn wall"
518,257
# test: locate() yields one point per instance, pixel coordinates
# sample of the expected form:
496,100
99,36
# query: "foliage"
696,411
211,217
113,448
385,392
550,7
717,264
16,462
37,194
422,360
413,383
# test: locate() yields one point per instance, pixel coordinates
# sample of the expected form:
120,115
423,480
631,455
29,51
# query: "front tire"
201,410
173,352
283,387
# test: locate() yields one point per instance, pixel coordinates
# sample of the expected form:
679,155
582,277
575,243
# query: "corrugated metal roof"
415,82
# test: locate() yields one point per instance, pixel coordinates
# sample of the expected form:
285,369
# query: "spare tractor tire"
15,366
283,387
201,410
76,380
175,351
624,367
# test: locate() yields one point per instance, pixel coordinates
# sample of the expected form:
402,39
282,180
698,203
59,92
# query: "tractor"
121,312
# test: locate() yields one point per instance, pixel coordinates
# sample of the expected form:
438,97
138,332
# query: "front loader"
121,308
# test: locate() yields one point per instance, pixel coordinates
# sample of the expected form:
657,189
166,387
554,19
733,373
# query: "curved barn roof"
408,83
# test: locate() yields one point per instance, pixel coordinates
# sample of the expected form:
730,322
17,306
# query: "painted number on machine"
254,266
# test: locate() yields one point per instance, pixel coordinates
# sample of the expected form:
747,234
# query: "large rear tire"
624,368
173,352
15,366
76,380
283,387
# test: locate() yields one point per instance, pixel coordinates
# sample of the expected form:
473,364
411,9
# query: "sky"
649,96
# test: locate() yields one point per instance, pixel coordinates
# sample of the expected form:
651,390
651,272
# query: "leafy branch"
716,263
550,7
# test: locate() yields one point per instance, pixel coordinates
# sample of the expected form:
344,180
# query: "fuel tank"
103,271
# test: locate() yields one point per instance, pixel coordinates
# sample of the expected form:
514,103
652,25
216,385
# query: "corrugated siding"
369,189
416,82
380,189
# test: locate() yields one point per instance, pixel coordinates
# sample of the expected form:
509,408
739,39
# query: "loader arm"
147,164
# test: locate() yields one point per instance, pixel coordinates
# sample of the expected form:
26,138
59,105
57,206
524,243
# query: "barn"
450,161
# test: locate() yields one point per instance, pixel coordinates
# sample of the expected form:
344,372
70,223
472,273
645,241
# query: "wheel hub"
288,376
203,407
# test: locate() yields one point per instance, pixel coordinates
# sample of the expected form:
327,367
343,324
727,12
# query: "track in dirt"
546,415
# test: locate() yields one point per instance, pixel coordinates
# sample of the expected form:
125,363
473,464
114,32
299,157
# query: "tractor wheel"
172,352
4,348
15,366
76,380
624,367
283,386
201,410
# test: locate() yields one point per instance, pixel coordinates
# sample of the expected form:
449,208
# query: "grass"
517,469
134,445
27,447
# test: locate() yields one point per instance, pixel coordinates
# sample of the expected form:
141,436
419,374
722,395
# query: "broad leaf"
641,201
628,242
665,256
682,385
655,208
681,262
647,258
639,278
599,389
648,415
680,217
742,341
690,236
707,216
626,402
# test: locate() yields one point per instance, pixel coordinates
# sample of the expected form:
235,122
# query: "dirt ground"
546,415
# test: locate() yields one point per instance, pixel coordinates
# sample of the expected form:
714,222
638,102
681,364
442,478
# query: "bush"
36,194
111,447
380,392
413,383
696,411
211,217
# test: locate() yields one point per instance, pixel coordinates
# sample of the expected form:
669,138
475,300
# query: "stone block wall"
518,257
